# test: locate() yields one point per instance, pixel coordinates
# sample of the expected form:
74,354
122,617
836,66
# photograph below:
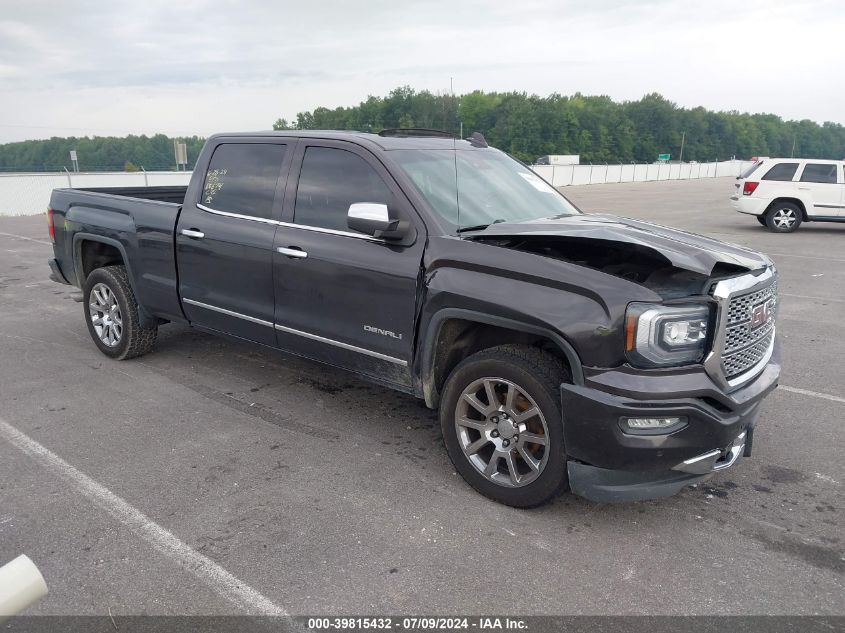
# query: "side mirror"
373,218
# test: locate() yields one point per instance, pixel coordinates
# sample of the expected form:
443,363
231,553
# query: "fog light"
654,425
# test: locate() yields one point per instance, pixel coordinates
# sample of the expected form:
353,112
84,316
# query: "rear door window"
242,178
782,171
819,172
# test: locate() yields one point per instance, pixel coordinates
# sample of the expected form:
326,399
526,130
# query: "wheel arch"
453,334
796,201
92,251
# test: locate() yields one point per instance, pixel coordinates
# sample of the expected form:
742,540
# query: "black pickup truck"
615,358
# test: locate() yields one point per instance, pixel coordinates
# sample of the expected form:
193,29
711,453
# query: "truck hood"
683,250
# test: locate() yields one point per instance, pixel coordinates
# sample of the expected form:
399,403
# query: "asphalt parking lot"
214,477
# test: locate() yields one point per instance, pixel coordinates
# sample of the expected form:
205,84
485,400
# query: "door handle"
804,188
193,233
293,251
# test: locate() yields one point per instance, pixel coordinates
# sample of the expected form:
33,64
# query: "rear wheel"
783,217
111,313
502,425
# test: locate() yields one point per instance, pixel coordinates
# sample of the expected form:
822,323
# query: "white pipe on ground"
21,585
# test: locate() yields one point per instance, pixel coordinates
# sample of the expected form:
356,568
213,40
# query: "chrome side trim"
238,215
291,225
318,229
315,337
200,304
347,346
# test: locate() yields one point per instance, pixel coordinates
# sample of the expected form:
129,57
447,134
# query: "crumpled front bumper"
607,486
606,463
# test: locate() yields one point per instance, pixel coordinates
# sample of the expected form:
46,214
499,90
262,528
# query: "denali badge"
378,330
760,315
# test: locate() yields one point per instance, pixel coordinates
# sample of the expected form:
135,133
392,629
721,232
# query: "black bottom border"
429,624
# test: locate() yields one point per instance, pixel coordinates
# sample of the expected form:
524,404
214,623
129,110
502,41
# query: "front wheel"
501,420
783,217
111,313
761,219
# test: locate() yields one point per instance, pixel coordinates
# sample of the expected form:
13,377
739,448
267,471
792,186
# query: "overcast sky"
195,67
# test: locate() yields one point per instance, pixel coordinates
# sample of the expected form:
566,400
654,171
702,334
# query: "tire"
474,438
111,313
783,217
761,219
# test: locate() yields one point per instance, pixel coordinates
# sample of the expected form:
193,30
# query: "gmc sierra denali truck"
615,358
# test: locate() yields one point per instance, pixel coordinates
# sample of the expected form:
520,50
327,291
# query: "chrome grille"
739,308
743,360
745,347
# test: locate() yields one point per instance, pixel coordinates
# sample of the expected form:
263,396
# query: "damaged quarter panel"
585,306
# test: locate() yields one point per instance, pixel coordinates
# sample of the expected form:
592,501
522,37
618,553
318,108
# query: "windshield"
475,188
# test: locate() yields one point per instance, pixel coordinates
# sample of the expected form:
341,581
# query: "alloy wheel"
105,315
502,432
784,218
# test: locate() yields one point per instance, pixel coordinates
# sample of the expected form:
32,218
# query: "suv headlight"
661,336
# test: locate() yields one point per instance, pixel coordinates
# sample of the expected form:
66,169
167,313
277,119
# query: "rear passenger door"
224,238
343,297
822,185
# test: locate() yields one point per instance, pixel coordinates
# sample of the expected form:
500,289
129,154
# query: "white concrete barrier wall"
29,194
567,175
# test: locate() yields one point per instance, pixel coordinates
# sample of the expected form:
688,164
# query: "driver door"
343,297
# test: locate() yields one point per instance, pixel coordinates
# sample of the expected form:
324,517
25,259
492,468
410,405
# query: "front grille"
744,359
740,306
744,346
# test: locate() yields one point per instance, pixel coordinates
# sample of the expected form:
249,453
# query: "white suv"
783,192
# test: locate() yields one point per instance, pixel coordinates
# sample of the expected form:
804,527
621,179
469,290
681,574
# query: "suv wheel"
761,219
783,217
111,313
502,425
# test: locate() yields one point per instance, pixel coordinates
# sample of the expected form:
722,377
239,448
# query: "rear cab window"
824,173
242,178
782,172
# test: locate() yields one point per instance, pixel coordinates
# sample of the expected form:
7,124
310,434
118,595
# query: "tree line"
595,127
527,126
98,153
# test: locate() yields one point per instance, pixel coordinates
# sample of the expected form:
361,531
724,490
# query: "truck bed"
175,195
135,225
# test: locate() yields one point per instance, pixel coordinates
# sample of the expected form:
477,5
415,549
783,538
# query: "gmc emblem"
760,315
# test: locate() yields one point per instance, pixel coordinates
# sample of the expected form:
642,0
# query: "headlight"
660,336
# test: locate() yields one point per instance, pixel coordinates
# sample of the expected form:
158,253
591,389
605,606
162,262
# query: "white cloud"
195,67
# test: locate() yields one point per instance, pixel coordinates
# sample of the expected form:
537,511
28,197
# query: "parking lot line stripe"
28,239
205,569
786,294
824,259
814,394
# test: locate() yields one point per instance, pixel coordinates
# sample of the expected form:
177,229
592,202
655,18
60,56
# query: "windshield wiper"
479,227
